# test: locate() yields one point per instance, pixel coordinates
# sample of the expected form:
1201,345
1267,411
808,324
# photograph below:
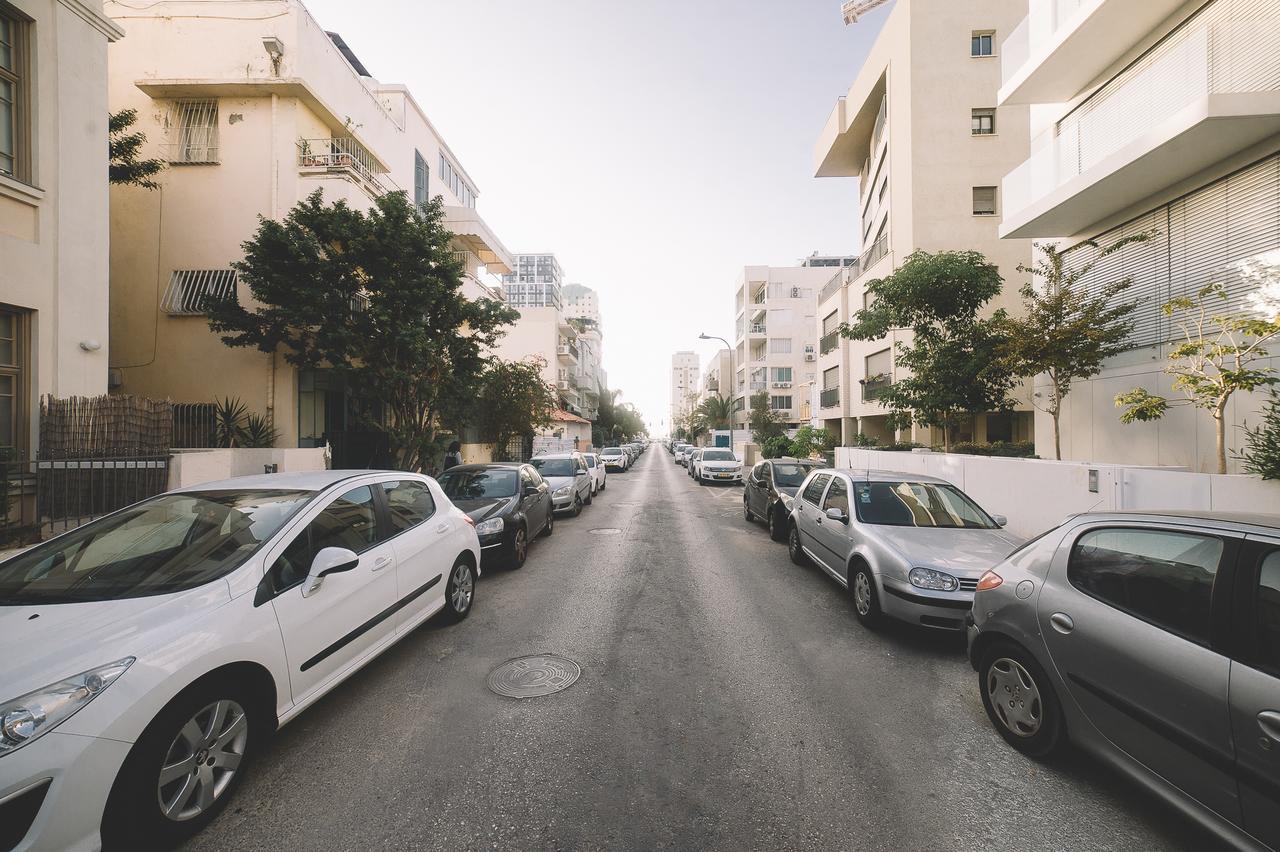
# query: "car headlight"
788,501
37,713
489,527
563,491
927,578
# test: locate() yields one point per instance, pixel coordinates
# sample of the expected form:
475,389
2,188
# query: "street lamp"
733,383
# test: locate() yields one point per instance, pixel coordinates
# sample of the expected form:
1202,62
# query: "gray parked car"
569,478
1153,642
907,546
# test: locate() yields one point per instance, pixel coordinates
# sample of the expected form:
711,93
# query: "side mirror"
837,515
530,490
1001,520
581,473
330,560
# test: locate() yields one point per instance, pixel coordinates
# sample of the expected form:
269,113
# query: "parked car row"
1150,640
149,654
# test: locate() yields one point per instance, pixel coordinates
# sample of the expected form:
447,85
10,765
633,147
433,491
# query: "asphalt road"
728,700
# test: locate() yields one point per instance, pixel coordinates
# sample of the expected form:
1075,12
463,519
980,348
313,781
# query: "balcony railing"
829,398
872,256
568,349
757,328
878,132
833,286
829,342
759,386
343,155
873,388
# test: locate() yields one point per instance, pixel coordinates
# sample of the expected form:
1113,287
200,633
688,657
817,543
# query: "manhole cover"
532,676
605,531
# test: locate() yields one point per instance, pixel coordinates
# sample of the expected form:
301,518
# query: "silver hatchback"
1153,642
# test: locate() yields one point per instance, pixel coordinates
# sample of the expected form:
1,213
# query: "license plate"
723,475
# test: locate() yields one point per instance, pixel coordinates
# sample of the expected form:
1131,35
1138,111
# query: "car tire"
519,548
866,601
746,511
577,505
550,526
459,591
794,550
1020,700
233,722
590,497
777,525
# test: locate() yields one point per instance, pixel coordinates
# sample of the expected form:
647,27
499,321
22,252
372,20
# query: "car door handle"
1062,622
380,563
442,528
1269,722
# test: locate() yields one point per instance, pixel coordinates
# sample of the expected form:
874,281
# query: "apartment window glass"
14,94
983,122
193,131
780,345
831,378
984,201
12,364
780,403
830,323
421,174
982,44
782,374
879,364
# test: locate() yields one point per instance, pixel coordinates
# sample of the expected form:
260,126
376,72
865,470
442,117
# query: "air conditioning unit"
782,384
563,385
795,292
809,356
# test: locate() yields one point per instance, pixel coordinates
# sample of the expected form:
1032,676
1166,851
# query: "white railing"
758,328
344,155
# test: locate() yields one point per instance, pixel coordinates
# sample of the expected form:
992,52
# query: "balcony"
568,351
345,157
756,328
829,342
873,387
829,398
837,281
473,234
759,386
1205,92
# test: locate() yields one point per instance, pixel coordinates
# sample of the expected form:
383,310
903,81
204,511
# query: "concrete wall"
1036,495
192,467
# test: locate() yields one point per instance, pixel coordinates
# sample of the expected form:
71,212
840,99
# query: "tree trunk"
1220,420
1057,435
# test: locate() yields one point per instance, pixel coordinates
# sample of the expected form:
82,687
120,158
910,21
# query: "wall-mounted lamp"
90,345
275,50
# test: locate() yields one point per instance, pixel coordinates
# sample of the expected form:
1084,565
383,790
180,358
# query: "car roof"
308,480
555,456
865,475
475,466
794,460
1232,520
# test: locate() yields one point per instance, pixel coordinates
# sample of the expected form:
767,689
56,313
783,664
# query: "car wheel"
550,526
1020,700
577,505
793,547
777,525
460,591
185,767
591,497
866,603
746,510
519,548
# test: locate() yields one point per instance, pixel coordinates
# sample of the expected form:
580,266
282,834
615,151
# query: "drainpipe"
275,203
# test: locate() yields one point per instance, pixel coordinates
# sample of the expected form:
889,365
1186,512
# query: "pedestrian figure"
453,457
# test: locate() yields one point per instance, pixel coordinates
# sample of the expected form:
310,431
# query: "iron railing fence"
195,425
829,398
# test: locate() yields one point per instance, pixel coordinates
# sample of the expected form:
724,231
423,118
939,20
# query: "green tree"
1217,357
764,422
955,371
714,412
809,440
375,297
1261,453
1065,331
124,167
513,400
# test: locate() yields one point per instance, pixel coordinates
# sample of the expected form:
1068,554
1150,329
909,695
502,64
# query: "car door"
582,478
1132,617
533,501
833,536
808,508
331,630
419,535
758,489
1255,688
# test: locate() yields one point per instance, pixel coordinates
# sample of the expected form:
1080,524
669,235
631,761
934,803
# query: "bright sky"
655,147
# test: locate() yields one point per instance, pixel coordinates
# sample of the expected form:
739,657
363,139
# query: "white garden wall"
193,467
1036,494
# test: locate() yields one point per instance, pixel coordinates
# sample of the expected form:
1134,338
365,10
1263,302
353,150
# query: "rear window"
788,475
478,484
555,467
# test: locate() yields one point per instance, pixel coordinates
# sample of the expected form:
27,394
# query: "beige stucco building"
53,208
254,109
922,130
1160,116
684,384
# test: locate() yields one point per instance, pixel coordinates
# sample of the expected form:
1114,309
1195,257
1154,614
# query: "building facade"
582,308
685,371
254,109
775,343
545,333
536,280
54,236
923,132
1164,117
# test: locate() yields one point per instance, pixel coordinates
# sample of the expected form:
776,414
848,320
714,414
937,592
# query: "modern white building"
685,371
775,345
1161,116
54,233
582,308
922,130
535,280
545,333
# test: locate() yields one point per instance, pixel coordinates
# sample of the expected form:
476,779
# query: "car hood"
42,644
483,508
721,465
558,481
788,490
965,552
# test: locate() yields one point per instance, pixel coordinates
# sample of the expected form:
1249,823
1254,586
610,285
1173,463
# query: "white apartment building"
53,208
254,109
717,375
775,338
1161,116
581,301
536,280
684,385
544,332
582,308
923,132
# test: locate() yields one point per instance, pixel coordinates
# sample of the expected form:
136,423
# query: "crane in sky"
853,8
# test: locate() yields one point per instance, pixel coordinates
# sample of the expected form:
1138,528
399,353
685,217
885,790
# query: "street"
728,700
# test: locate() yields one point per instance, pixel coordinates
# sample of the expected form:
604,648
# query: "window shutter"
984,200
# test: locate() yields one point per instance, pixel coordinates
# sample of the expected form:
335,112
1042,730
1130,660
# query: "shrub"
902,447
776,447
999,449
861,440
1261,453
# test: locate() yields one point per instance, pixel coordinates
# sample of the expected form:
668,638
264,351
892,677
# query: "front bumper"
938,610
562,504
721,475
79,772
970,636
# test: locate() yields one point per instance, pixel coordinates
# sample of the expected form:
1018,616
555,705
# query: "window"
884,187
837,497
452,178
780,403
13,419
188,289
879,364
984,201
983,43
830,323
14,95
813,491
780,345
831,378
349,521
919,504
193,128
1268,611
1162,577
983,122
409,503
782,374
421,177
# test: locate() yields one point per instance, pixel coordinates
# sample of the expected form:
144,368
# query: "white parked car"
598,474
149,654
714,464
616,458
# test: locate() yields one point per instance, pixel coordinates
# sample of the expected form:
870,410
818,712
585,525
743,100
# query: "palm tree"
715,411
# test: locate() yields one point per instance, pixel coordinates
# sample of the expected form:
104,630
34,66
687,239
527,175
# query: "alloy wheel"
862,593
1015,697
463,586
202,760
521,546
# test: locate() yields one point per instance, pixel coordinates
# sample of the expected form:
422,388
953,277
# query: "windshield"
554,467
611,451
478,484
718,455
167,544
790,475
918,504
591,460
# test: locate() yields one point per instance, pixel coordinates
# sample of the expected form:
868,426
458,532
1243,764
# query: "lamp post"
733,382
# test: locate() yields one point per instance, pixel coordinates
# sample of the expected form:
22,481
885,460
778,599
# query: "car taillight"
989,580
472,521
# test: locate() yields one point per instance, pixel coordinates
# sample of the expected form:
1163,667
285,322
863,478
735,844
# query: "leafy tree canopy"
513,400
764,422
124,167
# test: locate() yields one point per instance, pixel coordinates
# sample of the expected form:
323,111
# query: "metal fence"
195,425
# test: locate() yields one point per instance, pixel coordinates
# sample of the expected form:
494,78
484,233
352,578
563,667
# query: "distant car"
718,464
598,473
615,458
510,504
907,546
1152,641
770,490
150,654
675,450
569,478
691,463
682,454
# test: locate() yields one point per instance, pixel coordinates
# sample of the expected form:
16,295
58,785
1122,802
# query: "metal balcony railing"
757,328
829,342
829,398
873,388
344,155
759,386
